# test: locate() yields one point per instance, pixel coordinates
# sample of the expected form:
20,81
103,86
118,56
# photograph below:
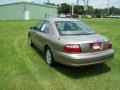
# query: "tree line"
79,9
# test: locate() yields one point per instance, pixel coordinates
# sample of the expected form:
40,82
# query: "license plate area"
98,46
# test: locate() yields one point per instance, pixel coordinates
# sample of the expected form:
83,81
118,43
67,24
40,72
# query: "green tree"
90,10
104,12
78,9
97,13
64,8
114,11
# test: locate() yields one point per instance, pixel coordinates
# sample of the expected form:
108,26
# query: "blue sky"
94,3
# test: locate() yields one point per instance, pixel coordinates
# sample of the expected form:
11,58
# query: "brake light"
72,48
110,45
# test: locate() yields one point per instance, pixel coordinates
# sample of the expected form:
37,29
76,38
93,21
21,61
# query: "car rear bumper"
83,58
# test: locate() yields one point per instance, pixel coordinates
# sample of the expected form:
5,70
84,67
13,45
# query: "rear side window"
45,27
39,25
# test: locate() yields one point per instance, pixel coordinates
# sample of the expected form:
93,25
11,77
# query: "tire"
30,41
49,57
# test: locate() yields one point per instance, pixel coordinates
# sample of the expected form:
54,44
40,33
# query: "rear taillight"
73,48
110,45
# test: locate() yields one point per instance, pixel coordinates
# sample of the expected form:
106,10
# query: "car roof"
62,19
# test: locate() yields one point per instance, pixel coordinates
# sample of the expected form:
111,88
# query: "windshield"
73,28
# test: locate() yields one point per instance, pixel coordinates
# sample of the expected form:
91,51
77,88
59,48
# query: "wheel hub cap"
48,57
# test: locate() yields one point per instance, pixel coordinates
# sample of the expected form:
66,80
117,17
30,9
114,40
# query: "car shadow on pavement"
85,71
78,72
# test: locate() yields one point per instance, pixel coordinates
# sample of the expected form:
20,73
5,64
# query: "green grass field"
24,68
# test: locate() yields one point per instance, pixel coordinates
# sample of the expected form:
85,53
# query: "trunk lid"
87,42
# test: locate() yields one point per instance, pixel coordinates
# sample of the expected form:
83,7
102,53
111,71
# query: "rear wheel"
49,57
30,41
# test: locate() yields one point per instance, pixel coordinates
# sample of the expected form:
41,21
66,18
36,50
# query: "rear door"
34,31
42,35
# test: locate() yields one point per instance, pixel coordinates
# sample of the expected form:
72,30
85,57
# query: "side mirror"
34,28
31,27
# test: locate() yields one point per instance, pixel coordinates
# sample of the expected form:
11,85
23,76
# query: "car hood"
75,39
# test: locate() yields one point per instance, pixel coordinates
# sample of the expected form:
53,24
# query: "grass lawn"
24,68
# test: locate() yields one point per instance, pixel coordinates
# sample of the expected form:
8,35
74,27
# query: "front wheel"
49,57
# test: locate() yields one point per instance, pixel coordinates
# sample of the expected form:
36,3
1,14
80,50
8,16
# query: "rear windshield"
73,28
